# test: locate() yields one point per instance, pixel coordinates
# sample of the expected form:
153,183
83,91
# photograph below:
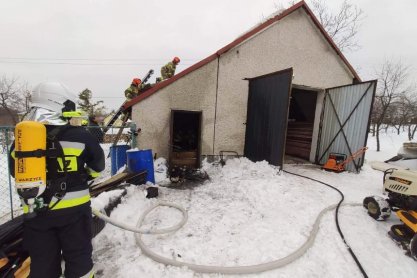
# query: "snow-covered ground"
249,214
390,143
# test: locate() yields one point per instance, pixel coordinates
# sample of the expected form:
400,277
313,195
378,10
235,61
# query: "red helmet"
176,60
136,81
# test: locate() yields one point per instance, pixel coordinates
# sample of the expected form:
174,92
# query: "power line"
108,97
91,59
86,64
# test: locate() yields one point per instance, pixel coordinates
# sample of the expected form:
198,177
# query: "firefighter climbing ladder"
126,113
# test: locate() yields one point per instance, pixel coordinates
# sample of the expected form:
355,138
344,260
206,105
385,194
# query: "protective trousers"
51,238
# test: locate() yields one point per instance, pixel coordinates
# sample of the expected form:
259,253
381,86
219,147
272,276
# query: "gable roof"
238,41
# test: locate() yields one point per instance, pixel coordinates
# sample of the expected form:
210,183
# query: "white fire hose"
249,269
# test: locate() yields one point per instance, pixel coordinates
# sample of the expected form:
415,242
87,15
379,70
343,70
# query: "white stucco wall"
292,42
195,91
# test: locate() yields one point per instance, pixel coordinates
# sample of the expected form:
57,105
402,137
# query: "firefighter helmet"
53,96
136,81
51,103
176,60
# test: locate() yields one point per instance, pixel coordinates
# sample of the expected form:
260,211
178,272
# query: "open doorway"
185,138
300,124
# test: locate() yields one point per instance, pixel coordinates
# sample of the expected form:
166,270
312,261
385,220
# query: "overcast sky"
103,44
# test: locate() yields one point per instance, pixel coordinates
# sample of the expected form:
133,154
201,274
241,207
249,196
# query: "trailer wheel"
413,247
377,207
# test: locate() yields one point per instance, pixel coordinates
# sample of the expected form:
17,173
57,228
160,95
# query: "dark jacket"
96,130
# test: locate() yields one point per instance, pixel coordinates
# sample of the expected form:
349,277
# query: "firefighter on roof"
133,89
168,70
57,223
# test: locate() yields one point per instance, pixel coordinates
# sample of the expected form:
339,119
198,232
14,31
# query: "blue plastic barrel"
118,157
140,160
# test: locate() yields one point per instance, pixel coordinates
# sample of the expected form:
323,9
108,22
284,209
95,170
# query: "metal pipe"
9,172
133,142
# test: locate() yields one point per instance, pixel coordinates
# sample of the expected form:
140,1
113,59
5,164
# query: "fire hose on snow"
249,269
32,158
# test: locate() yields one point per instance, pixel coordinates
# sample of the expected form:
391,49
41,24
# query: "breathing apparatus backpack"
35,150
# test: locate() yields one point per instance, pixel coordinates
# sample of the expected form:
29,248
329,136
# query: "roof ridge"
249,34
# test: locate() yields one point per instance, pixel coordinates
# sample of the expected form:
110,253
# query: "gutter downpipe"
215,105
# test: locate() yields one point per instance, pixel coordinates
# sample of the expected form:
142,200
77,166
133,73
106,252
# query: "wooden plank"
299,139
187,154
24,270
298,152
191,162
116,181
112,179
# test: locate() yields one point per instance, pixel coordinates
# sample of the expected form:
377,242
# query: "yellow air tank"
30,172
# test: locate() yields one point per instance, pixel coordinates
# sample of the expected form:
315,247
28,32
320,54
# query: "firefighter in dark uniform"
94,126
62,229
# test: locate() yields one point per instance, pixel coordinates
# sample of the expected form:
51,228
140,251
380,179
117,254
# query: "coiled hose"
249,269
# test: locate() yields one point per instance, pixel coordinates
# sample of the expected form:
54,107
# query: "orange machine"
337,162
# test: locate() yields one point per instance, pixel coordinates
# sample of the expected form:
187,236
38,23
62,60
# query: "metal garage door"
345,121
267,117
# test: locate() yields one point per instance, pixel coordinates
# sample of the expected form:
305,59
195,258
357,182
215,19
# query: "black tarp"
267,117
11,246
10,231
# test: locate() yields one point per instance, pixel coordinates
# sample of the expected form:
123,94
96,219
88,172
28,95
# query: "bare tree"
342,25
412,117
392,86
400,112
412,128
27,97
376,111
14,98
10,97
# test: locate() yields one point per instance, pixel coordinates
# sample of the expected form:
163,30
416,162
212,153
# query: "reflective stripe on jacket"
71,199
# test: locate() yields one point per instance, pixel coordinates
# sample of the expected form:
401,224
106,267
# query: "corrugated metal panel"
267,117
345,99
